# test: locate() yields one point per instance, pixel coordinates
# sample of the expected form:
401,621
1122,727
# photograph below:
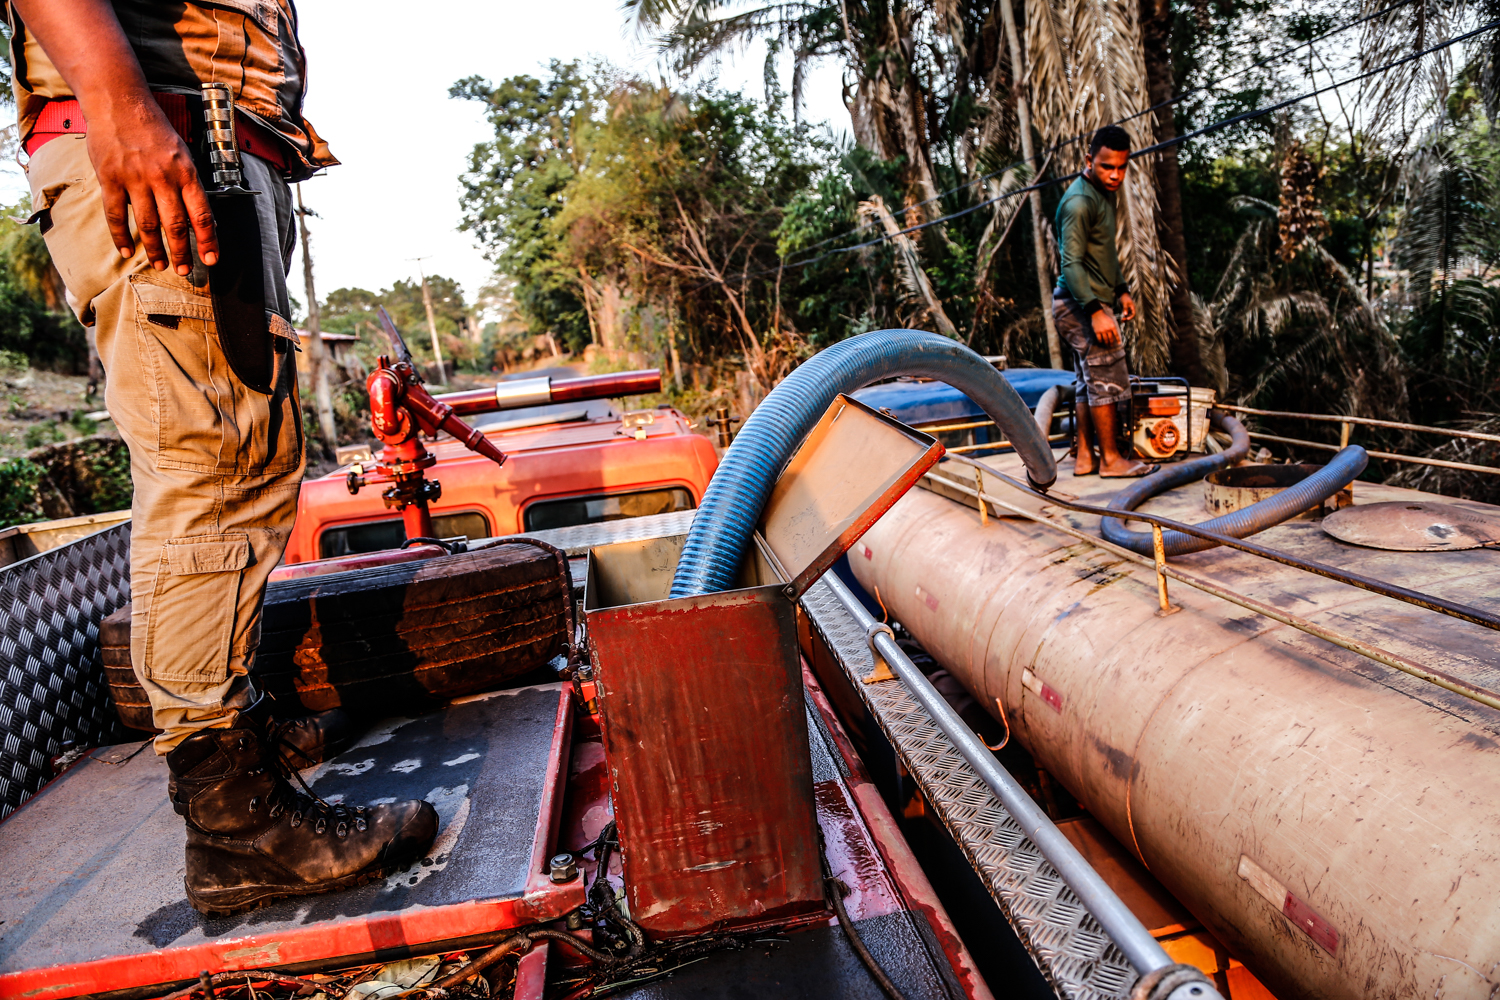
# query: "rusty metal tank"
1334,822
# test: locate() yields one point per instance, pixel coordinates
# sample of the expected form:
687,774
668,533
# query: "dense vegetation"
1335,256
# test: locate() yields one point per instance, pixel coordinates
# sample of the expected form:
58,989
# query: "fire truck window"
592,510
372,536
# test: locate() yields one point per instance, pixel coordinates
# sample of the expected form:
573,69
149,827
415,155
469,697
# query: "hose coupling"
1040,487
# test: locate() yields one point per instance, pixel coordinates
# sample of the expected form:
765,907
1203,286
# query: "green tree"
516,183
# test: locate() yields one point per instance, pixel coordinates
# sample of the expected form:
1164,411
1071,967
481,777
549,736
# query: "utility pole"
316,356
437,349
1038,223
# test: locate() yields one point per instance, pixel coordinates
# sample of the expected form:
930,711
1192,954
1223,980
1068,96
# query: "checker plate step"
1067,943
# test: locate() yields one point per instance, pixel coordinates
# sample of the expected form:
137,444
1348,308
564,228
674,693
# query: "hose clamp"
882,671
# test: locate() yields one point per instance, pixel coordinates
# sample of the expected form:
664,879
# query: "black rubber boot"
252,837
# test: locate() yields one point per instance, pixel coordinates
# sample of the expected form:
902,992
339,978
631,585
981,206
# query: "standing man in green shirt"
1088,289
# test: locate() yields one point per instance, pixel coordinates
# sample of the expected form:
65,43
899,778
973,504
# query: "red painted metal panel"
330,941
531,973
557,460
1324,934
706,741
900,866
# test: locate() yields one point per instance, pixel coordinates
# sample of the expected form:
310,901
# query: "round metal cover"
1413,526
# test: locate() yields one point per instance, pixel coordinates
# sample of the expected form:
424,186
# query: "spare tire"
392,638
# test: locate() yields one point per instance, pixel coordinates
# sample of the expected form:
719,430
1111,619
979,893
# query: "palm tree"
1086,68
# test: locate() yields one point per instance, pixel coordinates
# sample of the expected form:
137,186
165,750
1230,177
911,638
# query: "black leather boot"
252,837
312,739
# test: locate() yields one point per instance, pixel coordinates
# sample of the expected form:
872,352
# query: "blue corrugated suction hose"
732,504
1342,470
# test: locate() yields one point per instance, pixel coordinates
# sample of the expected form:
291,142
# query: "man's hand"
141,162
1105,330
1127,307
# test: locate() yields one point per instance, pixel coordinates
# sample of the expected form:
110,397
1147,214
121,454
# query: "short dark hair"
1110,137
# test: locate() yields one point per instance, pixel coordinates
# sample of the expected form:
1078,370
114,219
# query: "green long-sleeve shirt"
1091,271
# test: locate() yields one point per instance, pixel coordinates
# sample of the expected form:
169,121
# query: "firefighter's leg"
215,468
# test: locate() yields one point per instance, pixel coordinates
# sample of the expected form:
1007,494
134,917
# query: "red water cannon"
401,410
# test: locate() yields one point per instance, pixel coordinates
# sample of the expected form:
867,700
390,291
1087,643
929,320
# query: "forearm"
84,40
144,169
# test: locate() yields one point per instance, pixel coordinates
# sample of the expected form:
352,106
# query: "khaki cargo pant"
216,466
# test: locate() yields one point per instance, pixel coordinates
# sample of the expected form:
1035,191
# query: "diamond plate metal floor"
1069,946
577,539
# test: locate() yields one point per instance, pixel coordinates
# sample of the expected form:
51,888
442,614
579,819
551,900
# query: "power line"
1176,141
1212,84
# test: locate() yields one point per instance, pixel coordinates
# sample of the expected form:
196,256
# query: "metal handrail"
1143,951
1439,462
1439,678
1430,602
1346,422
1362,421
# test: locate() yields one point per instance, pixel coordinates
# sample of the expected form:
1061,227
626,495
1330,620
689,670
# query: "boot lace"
304,804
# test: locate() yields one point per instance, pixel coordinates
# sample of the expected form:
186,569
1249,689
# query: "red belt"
65,117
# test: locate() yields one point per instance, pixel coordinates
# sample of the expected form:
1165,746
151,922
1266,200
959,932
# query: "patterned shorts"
1101,370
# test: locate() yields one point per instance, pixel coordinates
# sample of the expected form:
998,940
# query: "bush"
28,331
39,434
19,503
87,476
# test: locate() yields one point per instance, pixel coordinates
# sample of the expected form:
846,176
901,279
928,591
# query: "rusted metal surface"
700,700
392,637
101,908
1432,675
848,471
1371,798
1228,490
1432,602
1415,526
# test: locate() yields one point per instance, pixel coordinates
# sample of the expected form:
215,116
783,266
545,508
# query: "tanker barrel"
515,393
1128,933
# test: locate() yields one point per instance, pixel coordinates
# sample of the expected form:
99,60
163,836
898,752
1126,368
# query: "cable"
1176,141
835,889
1131,117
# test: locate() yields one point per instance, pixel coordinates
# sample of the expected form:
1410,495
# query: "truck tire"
391,638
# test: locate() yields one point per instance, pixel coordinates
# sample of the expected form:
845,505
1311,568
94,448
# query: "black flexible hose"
836,890
1343,469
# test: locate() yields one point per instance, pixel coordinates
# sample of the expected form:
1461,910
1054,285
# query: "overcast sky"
378,82
378,92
